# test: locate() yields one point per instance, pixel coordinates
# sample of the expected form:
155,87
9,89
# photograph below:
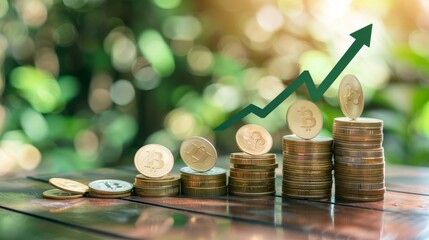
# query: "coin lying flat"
154,160
60,194
304,119
69,185
254,139
198,153
351,96
110,186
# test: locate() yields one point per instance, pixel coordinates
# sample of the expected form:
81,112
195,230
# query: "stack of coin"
359,159
154,162
252,175
65,189
110,188
165,186
307,167
203,184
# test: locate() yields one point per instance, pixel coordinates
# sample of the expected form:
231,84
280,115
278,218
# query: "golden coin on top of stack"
307,167
253,172
358,151
200,178
307,157
154,162
110,188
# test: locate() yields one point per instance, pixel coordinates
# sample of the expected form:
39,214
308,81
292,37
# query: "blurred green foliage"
86,83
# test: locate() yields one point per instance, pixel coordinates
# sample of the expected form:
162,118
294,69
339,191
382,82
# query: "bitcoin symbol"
198,153
255,139
352,94
114,186
307,119
155,161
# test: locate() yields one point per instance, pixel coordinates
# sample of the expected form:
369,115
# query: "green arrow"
362,37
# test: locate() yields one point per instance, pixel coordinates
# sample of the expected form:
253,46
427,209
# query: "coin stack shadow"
307,167
203,184
252,175
165,186
359,159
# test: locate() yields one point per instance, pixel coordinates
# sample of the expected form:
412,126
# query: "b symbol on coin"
255,139
307,119
155,160
352,94
198,153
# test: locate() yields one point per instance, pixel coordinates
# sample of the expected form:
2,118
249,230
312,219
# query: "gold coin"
268,166
356,153
157,191
204,192
358,123
372,192
251,174
198,153
306,193
248,194
360,186
254,162
165,177
359,198
154,160
247,182
241,155
252,189
96,195
327,178
203,184
339,165
353,160
253,139
156,183
69,185
350,96
60,194
364,178
304,119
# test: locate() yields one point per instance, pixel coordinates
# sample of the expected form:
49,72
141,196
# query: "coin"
122,195
204,192
214,172
254,162
165,177
60,194
350,96
304,119
358,123
166,191
198,153
245,182
154,160
110,186
138,182
253,139
251,174
69,185
268,166
241,155
249,194
251,189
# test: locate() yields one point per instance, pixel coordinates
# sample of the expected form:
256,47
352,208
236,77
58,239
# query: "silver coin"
110,186
211,172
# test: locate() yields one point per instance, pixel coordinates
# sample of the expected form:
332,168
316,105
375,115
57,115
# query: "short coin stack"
154,162
65,189
307,167
203,184
359,159
252,175
165,186
110,188
253,172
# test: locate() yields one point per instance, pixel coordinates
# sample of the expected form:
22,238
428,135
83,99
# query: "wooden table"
24,214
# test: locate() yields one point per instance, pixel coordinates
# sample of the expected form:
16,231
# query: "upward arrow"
362,37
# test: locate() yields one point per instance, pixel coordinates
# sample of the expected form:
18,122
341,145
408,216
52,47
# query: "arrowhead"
363,35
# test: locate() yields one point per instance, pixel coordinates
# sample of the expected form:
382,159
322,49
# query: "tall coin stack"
307,167
200,178
307,157
252,175
359,159
155,162
253,171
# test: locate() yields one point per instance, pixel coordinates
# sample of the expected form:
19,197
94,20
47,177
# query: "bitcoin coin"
358,123
165,177
304,119
154,160
198,153
351,96
241,155
69,185
253,139
215,172
110,186
60,194
122,195
252,161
